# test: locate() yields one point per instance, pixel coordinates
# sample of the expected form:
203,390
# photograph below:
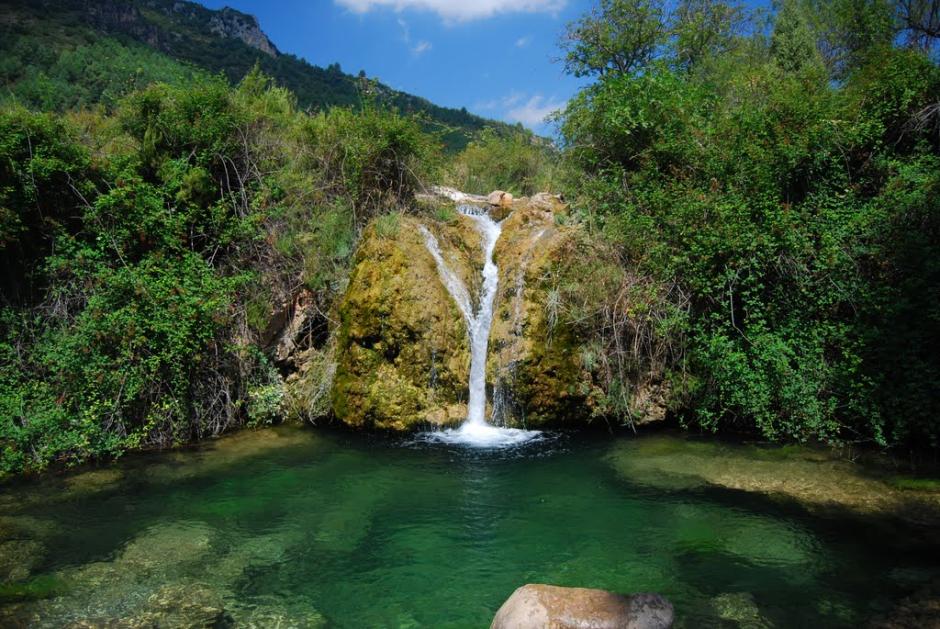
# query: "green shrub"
799,218
517,162
388,225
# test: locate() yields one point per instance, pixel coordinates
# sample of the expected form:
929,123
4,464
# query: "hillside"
60,54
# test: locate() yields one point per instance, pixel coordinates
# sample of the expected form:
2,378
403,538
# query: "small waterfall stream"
475,430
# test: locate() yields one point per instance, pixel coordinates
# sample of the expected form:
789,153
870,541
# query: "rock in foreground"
536,606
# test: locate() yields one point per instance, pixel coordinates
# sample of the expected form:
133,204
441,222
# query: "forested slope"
61,54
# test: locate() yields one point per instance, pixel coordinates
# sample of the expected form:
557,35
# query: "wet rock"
921,610
403,358
92,481
195,606
499,198
270,612
184,606
740,608
166,545
819,480
540,606
254,552
402,353
18,557
24,526
501,204
436,193
546,368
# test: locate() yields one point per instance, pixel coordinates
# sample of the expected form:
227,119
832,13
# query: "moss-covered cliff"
403,358
403,353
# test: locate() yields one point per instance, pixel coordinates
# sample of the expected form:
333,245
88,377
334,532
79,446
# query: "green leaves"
801,219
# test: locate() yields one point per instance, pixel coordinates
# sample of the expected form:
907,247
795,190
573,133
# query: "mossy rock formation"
534,363
403,353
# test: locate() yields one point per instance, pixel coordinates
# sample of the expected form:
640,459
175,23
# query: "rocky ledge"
402,350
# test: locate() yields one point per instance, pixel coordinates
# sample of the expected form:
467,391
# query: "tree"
847,31
624,36
920,20
620,36
702,28
792,44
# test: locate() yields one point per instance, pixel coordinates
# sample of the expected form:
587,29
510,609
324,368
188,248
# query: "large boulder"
553,607
403,358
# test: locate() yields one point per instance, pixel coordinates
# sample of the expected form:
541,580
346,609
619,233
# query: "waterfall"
475,430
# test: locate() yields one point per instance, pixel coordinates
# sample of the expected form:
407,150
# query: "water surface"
305,527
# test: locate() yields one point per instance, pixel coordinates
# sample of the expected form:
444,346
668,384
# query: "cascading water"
475,430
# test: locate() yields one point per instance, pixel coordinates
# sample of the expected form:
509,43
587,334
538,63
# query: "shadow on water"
339,529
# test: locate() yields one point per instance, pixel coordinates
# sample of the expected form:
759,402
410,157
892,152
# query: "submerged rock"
192,605
817,479
740,608
18,557
540,606
273,612
185,605
921,610
166,545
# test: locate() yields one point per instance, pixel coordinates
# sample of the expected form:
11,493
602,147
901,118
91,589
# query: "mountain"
60,54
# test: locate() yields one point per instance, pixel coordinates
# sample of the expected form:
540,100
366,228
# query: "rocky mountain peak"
231,23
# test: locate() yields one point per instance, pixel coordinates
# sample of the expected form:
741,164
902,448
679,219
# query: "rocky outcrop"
402,350
177,21
549,606
235,24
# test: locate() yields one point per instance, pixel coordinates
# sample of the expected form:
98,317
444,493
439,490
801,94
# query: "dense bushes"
147,251
800,216
518,162
772,195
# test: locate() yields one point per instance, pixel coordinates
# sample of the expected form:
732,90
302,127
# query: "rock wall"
534,365
403,357
402,348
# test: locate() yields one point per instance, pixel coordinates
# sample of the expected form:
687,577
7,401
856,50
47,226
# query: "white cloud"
533,112
522,42
418,49
519,107
422,47
458,10
504,103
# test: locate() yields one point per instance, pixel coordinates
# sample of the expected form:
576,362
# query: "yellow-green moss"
402,354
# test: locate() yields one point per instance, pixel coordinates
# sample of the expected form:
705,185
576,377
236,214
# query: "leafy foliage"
146,252
518,162
799,216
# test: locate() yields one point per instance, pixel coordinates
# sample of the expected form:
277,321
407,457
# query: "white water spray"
475,430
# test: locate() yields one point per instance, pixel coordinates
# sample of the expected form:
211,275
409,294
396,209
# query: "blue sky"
494,57
489,56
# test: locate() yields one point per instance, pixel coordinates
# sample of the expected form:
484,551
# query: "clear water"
371,532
